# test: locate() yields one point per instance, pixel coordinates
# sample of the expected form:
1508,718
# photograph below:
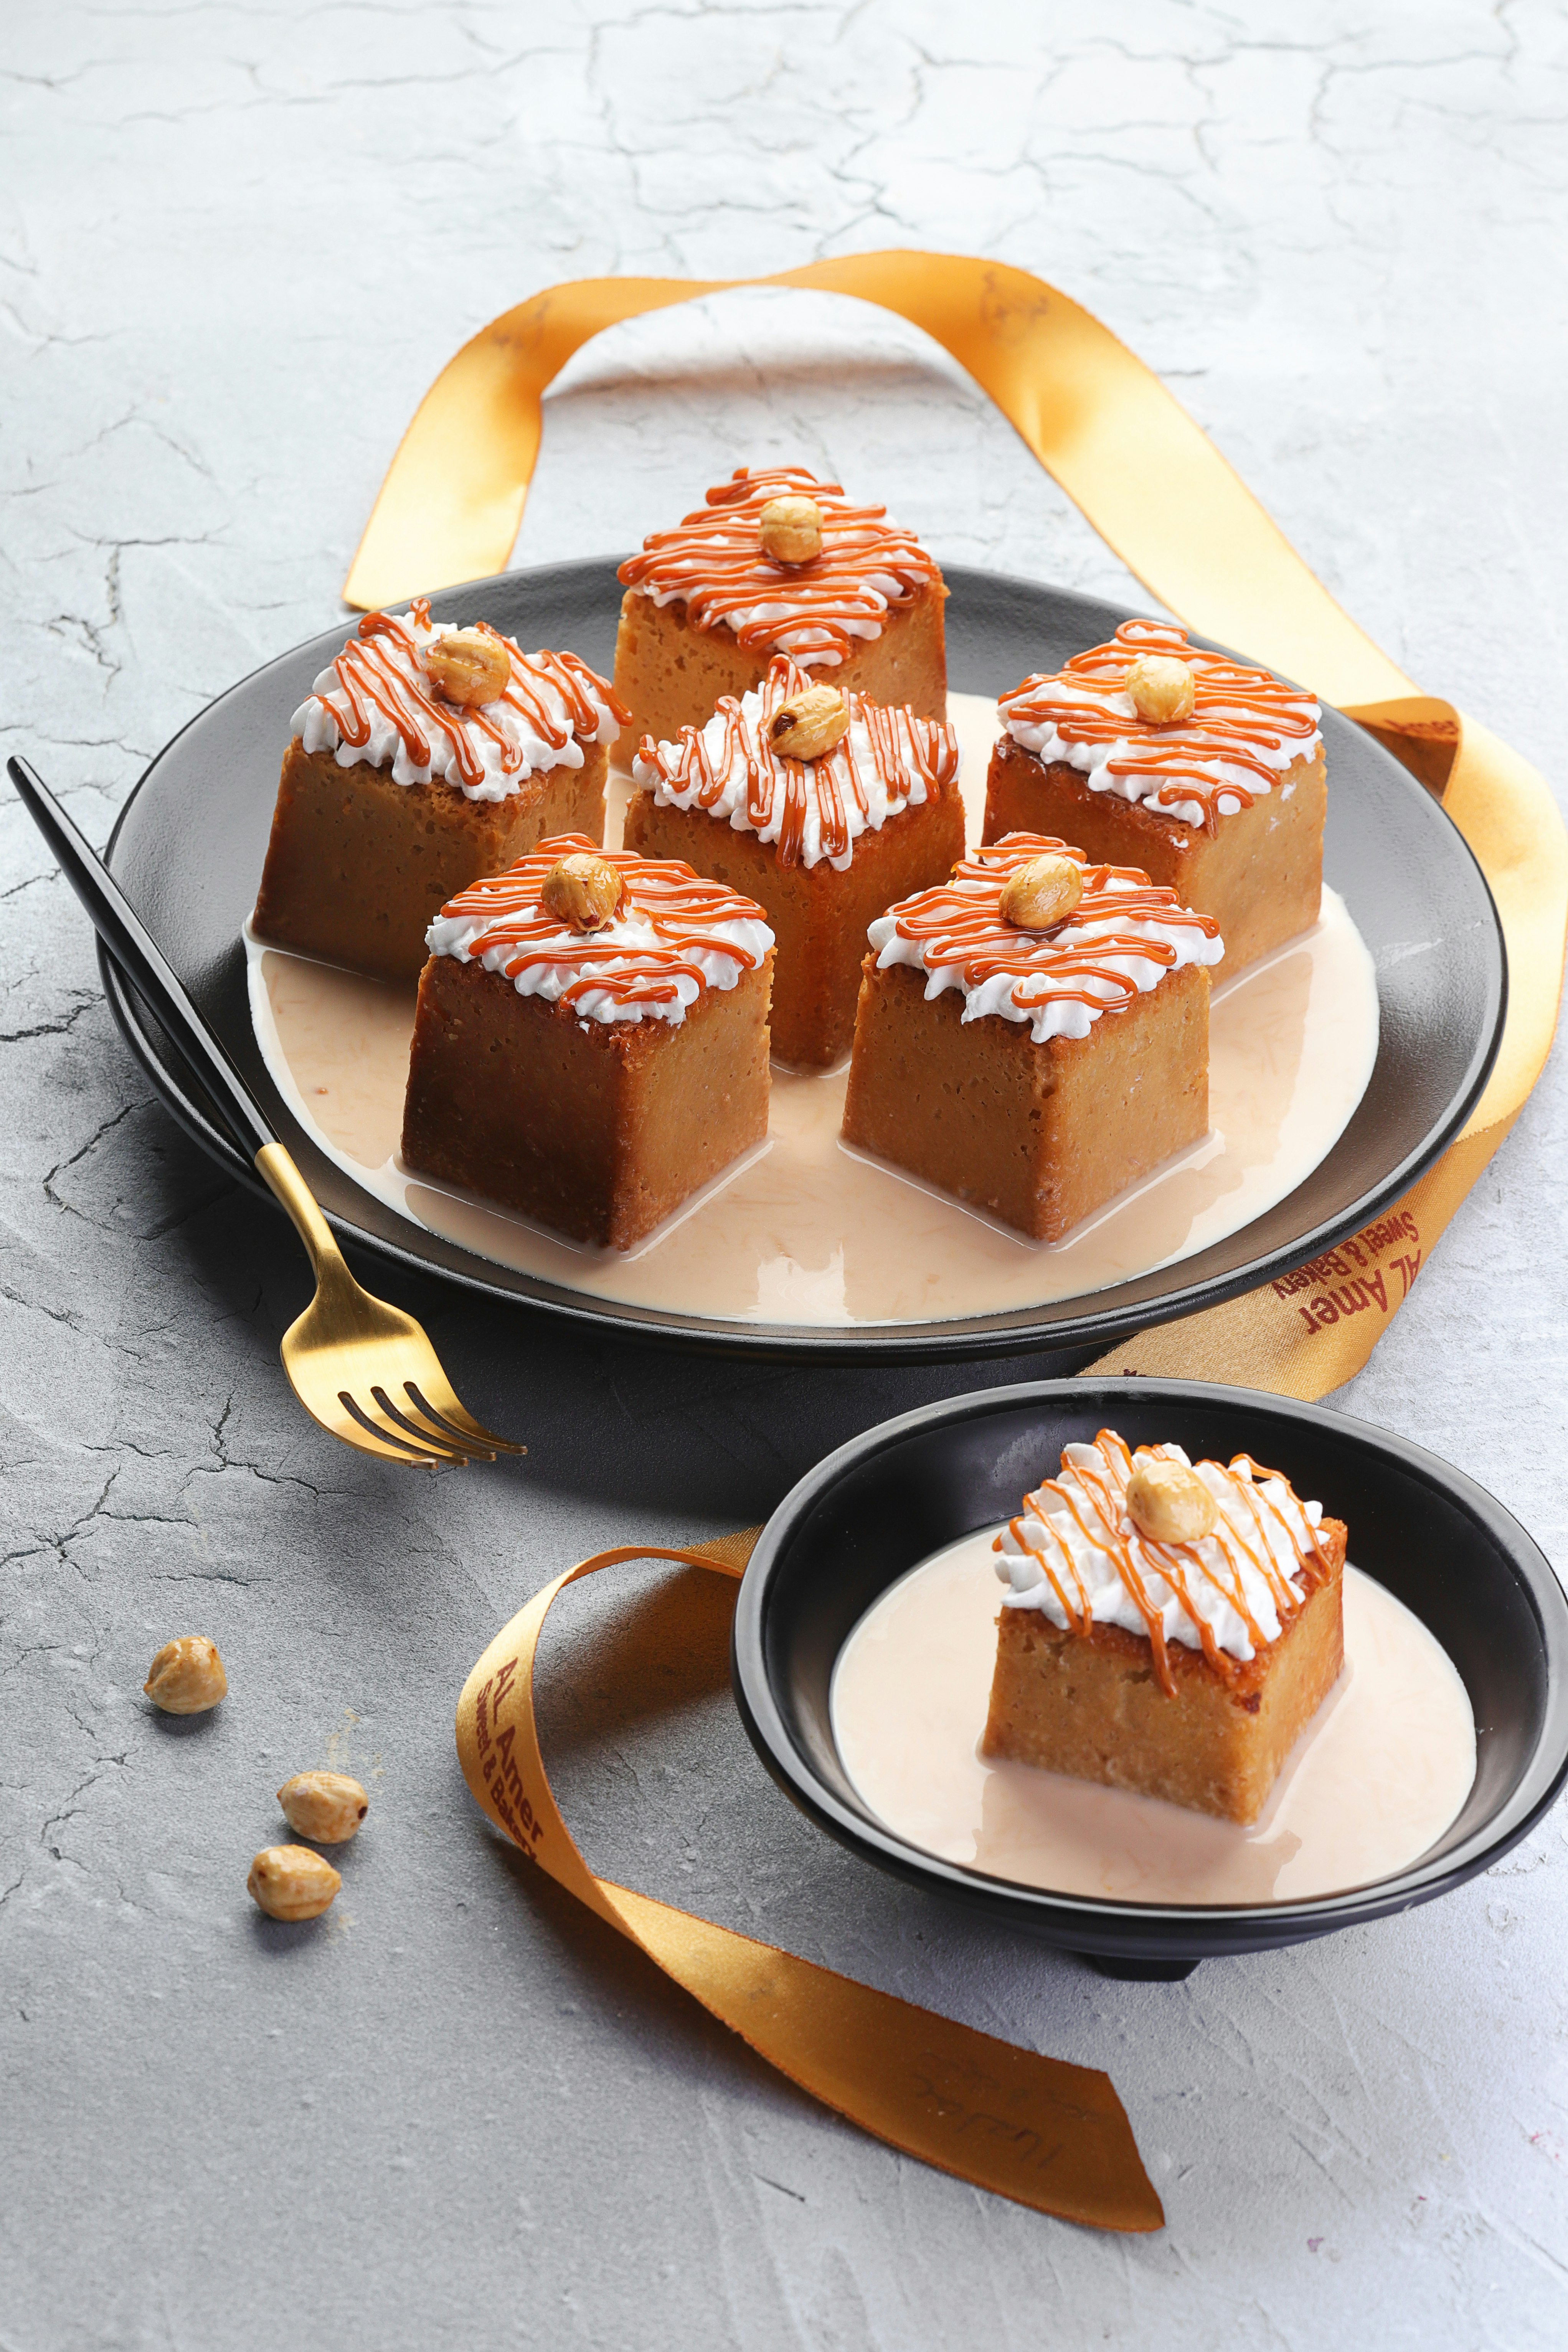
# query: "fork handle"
274,1164
139,956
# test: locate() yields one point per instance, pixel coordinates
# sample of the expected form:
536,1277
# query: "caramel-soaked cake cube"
709,604
424,757
1034,1074
589,1056
822,843
1181,1669
1204,772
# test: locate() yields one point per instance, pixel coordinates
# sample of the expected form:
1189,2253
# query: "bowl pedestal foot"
1136,1971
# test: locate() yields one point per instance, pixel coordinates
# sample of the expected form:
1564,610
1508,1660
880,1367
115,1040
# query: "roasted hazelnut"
810,724
791,529
584,890
1043,892
1169,1503
470,667
1161,687
187,1676
289,1882
326,1806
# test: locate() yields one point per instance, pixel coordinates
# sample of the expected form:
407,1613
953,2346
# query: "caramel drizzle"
1238,710
1096,1501
714,561
958,925
682,908
904,749
381,672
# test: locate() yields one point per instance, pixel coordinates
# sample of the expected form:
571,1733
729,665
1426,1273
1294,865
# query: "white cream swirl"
1262,1520
677,934
814,809
375,706
1060,981
622,949
1246,731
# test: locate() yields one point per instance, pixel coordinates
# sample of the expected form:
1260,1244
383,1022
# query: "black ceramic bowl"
902,1491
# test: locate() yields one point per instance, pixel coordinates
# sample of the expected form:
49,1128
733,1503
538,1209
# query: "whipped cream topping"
1246,728
1125,934
376,706
890,760
1075,1554
714,564
674,936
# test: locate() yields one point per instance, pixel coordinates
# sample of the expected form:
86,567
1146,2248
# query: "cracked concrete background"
235,244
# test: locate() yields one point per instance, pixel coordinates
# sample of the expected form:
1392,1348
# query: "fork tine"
361,1435
433,1435
391,1443
352,1428
447,1414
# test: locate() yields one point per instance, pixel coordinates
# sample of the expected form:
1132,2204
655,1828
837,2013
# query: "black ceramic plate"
894,1497
189,846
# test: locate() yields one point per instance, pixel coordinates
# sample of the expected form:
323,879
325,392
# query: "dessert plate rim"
772,1662
158,848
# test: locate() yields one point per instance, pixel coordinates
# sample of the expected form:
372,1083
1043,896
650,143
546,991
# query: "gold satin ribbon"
1046,2134
1154,487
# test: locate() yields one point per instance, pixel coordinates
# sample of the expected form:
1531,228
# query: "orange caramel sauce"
714,562
682,908
381,671
960,924
1178,1563
1238,711
903,749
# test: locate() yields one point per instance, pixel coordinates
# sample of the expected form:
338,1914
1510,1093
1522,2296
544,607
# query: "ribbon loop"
1046,2134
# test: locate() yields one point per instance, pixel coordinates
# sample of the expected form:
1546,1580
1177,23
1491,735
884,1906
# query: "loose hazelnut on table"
289,1882
468,667
326,1806
810,724
187,1676
1161,687
1037,897
585,891
791,529
1169,1503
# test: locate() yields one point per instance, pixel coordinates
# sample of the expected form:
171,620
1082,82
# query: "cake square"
822,843
394,797
1034,1073
1176,1667
1221,802
708,606
590,1079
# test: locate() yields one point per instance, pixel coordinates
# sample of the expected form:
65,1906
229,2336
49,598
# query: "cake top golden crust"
382,702
884,761
1077,1552
1121,938
715,565
672,935
1197,756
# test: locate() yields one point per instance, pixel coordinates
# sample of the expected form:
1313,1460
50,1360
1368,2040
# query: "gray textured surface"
234,245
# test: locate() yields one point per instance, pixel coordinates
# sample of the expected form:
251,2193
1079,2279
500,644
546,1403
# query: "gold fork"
363,1370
